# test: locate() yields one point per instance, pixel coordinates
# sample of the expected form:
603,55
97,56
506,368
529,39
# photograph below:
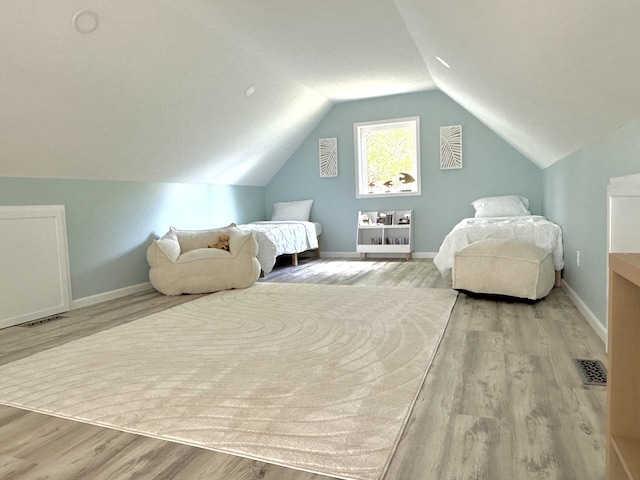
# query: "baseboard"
586,312
324,254
112,295
424,254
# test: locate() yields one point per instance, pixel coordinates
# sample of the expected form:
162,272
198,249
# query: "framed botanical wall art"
450,147
328,150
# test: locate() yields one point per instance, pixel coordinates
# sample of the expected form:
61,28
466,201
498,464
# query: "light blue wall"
490,167
575,196
110,224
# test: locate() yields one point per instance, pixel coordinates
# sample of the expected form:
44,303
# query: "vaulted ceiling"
161,90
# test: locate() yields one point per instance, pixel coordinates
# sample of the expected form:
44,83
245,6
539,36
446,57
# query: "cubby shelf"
388,231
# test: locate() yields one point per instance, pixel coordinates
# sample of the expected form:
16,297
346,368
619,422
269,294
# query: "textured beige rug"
320,378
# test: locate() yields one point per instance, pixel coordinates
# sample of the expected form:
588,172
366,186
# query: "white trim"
424,254
586,312
324,254
112,295
339,254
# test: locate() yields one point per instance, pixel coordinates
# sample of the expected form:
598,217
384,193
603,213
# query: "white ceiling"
156,92
549,76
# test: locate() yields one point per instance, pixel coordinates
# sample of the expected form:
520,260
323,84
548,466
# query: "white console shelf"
387,231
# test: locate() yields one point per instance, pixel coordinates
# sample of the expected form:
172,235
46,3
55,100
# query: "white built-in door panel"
623,227
623,218
625,222
34,263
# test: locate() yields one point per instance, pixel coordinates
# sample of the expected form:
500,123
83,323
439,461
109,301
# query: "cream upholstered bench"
504,267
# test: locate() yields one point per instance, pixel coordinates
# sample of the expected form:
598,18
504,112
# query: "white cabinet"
386,231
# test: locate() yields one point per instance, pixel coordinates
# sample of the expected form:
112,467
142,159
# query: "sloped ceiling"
549,76
157,91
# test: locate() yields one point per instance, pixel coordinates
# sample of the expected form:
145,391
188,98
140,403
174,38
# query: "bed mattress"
281,238
533,229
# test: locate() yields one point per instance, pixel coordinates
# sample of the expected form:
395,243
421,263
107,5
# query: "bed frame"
269,251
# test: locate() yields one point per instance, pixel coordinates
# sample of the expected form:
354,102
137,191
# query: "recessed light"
442,62
86,21
250,91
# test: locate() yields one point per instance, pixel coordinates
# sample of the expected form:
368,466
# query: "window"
387,157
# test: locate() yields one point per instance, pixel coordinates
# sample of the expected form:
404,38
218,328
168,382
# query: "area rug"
320,378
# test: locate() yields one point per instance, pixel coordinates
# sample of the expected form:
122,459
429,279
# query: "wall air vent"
593,372
41,321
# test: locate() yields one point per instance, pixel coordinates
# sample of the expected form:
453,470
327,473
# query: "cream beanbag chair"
504,267
181,261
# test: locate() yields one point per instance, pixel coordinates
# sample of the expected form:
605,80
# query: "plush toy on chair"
181,262
222,243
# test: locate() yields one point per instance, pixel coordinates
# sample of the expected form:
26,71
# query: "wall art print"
328,149
450,147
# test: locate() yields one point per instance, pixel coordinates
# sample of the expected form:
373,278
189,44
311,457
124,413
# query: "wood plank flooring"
503,400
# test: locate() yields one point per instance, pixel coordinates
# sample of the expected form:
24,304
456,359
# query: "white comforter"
534,229
278,238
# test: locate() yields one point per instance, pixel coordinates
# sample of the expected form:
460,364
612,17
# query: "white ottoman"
504,267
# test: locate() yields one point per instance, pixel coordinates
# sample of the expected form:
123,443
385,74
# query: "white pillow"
169,244
503,206
286,211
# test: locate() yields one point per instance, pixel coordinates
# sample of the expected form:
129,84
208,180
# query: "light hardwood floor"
503,400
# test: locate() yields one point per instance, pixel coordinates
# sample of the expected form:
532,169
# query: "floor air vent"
593,372
41,321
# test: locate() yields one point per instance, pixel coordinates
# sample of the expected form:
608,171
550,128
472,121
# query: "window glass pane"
388,157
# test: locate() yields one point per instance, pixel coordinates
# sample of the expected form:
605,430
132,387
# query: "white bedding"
533,229
280,237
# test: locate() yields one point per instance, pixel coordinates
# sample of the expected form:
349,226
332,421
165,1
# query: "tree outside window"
387,156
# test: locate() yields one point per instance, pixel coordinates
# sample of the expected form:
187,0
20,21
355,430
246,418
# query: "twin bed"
490,249
289,232
277,238
533,229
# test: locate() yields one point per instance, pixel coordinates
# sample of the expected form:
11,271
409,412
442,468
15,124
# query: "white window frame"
362,188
